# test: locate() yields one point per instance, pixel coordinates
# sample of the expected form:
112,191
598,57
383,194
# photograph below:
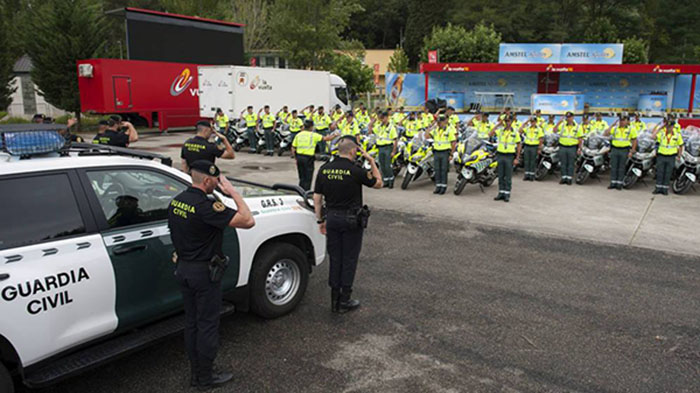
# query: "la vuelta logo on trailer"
181,82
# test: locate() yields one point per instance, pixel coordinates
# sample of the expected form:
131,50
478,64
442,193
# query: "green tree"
601,30
7,60
57,34
308,31
421,20
358,76
380,25
457,45
398,62
256,17
636,51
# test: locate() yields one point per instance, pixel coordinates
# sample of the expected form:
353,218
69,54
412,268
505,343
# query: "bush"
457,45
636,51
15,120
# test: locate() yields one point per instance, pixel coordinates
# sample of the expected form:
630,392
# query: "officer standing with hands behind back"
197,224
340,183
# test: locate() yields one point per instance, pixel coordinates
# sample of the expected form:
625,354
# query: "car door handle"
126,250
4,276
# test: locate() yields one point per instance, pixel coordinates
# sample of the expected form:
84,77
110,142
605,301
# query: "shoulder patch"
369,174
218,207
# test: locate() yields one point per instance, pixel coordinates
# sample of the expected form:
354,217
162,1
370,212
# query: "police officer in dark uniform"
197,224
113,136
67,135
340,183
199,148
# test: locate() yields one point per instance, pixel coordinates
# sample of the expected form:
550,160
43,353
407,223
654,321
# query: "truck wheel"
406,180
6,384
278,280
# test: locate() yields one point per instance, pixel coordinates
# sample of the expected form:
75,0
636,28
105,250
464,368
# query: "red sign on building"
432,56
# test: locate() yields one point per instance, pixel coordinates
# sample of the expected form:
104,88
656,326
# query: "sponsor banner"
591,54
407,90
529,53
557,104
652,103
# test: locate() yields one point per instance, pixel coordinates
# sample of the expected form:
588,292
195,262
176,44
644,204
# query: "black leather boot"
346,304
335,297
217,379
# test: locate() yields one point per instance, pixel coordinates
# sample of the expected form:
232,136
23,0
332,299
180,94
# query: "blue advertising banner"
407,90
529,53
557,104
591,53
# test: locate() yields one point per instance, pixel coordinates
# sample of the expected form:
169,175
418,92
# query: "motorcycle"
418,155
642,160
236,134
283,138
688,169
593,157
475,163
548,159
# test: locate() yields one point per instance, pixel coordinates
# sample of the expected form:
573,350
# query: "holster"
217,268
359,218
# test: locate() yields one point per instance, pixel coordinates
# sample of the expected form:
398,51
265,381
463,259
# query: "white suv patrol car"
86,260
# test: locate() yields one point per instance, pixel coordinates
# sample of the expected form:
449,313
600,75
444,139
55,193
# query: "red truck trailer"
147,93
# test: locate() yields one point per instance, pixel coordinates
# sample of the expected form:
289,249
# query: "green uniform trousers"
530,159
618,163
567,158
384,158
305,169
441,165
505,171
664,169
323,146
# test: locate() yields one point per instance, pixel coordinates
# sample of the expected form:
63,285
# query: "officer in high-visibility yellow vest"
598,124
483,125
452,118
304,149
283,115
507,154
412,125
549,125
295,125
570,140
427,118
670,149
624,144
347,125
444,144
386,144
398,117
540,118
251,122
507,111
269,121
337,113
362,116
221,120
308,113
638,124
586,125
322,122
532,135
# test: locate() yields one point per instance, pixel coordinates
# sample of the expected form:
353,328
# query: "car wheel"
6,384
278,280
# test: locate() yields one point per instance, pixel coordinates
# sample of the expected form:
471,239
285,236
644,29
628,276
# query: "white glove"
455,156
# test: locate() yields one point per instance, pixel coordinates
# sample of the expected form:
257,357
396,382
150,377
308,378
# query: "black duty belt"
203,263
622,148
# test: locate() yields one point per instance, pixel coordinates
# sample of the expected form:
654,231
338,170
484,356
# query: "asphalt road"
454,307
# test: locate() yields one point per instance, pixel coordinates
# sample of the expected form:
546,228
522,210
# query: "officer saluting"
113,136
303,149
197,224
340,183
199,148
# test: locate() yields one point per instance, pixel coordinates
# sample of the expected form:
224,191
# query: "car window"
133,196
38,208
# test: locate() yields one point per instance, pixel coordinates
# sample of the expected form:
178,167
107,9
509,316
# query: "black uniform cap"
115,118
206,167
569,114
203,123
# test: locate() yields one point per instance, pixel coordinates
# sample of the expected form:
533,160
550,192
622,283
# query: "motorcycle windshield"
595,141
551,139
645,143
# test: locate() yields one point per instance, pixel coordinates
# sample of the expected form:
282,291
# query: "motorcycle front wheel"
629,180
541,172
459,186
681,185
582,175
406,180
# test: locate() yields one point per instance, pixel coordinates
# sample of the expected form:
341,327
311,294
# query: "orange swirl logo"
181,82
